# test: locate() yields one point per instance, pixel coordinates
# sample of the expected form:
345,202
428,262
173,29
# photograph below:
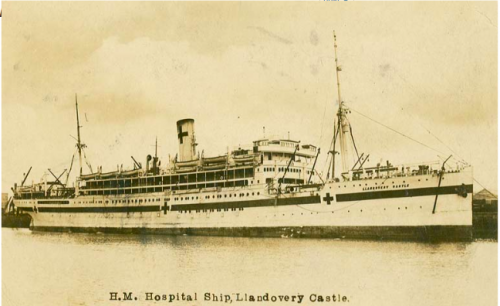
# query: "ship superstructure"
269,189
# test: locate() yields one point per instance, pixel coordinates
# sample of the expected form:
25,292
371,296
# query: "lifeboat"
185,169
241,159
109,174
112,174
189,163
214,167
87,177
214,160
131,173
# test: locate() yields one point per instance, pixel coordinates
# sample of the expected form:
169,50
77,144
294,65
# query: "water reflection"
81,268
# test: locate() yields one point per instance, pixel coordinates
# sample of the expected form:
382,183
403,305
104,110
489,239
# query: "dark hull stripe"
51,202
186,207
403,233
25,209
245,204
388,194
103,209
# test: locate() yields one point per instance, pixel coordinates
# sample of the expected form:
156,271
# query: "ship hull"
406,208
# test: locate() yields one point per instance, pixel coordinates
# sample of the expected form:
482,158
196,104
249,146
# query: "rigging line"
327,158
437,138
87,162
479,184
453,151
323,121
60,165
332,151
420,97
397,132
335,137
353,142
70,167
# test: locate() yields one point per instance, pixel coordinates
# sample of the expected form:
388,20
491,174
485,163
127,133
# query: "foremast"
79,142
80,148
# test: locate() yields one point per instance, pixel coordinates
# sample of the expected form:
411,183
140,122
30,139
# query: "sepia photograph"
249,153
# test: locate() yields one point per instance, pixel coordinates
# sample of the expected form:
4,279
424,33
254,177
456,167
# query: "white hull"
414,209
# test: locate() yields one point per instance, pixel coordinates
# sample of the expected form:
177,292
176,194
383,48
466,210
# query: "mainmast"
79,144
343,128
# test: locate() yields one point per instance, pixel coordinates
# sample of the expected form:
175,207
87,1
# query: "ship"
269,189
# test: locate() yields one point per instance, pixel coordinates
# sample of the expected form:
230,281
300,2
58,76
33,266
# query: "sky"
425,69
